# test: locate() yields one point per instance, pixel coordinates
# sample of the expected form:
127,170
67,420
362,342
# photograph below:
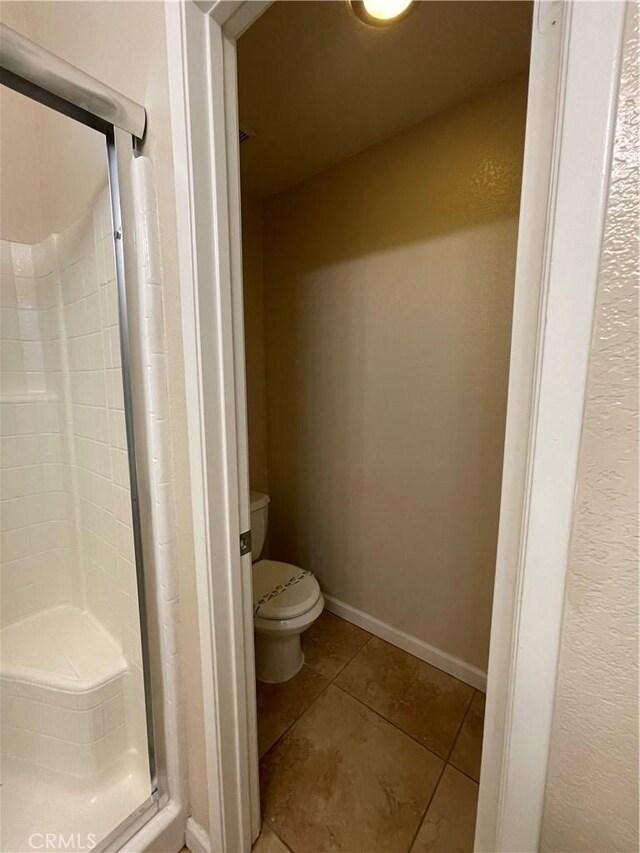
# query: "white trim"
165,830
548,58
418,648
242,441
196,838
236,17
204,151
189,137
544,431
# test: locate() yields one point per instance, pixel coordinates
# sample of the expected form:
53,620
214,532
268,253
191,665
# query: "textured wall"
388,292
592,786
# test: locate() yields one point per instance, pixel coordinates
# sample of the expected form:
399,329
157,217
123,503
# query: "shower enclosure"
78,768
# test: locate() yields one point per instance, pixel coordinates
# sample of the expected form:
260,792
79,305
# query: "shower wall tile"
90,309
82,732
38,567
66,502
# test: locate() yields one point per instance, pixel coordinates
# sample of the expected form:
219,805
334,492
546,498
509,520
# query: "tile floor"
367,749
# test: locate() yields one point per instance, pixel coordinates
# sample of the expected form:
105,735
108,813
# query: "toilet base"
278,658
277,642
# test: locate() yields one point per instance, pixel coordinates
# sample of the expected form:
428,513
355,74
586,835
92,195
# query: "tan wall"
49,169
20,198
253,287
123,44
388,287
592,784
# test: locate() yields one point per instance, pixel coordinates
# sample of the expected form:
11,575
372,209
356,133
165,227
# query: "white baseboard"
418,648
196,837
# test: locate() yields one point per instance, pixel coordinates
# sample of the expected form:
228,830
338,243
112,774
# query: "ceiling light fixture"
381,13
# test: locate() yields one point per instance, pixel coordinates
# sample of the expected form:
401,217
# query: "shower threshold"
36,804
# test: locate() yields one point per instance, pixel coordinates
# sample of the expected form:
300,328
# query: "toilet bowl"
286,601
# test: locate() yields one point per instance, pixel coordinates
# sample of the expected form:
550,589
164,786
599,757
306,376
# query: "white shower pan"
69,745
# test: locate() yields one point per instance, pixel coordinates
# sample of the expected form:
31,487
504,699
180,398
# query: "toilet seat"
282,591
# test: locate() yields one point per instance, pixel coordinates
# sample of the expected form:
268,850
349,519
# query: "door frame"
576,50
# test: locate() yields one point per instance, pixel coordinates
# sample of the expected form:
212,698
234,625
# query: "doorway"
519,663
380,199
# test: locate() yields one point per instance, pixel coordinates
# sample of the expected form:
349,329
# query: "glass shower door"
74,726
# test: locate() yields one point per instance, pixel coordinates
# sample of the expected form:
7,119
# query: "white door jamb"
570,122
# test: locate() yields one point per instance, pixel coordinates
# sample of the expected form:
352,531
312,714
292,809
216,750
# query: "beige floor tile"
280,705
467,750
344,779
423,701
330,643
449,825
268,842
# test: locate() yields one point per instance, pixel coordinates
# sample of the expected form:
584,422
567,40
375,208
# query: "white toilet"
286,601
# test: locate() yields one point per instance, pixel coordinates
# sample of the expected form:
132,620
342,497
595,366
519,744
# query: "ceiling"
316,85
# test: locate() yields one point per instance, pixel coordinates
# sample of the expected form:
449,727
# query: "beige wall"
388,293
592,784
50,169
253,287
123,44
20,200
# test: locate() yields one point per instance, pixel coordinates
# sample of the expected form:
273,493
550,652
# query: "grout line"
444,767
445,761
464,717
396,726
351,659
281,840
329,681
455,740
426,808
273,746
300,715
411,654
463,772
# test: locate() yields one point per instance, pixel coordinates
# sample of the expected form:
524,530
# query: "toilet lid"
282,591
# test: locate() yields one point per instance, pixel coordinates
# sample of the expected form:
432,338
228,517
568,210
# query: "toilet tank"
259,518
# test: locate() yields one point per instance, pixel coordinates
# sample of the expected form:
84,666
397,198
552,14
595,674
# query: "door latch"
245,543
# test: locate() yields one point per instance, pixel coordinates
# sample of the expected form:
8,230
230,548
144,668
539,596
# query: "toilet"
286,601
